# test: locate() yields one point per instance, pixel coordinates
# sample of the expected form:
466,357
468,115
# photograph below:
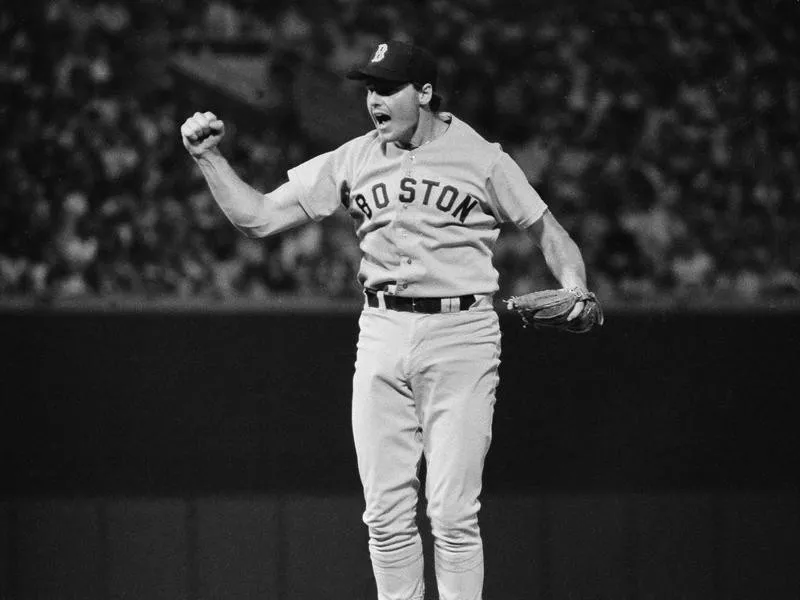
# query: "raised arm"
250,211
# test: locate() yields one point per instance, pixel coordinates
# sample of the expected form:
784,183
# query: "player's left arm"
515,200
561,253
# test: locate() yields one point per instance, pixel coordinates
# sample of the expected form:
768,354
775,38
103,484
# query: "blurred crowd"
664,139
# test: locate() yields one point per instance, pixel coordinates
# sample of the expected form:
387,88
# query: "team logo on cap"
379,53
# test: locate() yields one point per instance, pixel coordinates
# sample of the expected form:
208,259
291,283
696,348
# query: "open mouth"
381,119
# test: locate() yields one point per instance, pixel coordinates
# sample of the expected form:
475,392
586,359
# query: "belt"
419,305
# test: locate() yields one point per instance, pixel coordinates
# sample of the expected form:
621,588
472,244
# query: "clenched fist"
202,132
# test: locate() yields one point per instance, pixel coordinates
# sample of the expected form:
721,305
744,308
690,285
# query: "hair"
436,100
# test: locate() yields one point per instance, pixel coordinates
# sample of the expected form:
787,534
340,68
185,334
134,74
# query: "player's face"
394,109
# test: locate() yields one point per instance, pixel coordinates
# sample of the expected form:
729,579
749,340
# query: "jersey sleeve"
318,181
511,196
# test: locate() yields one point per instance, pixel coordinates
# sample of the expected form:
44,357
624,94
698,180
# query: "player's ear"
424,94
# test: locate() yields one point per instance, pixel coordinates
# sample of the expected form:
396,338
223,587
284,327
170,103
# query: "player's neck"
430,127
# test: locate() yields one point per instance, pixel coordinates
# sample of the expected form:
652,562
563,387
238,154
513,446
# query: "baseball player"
427,195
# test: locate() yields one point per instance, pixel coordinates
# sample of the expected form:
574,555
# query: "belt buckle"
413,304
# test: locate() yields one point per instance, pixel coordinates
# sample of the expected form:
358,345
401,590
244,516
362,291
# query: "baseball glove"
550,308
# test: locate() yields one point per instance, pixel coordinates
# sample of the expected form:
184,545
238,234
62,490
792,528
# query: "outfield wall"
196,454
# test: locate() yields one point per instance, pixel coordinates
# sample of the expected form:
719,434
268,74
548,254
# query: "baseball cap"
400,62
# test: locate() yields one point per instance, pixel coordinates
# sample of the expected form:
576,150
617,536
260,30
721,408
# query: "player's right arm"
250,211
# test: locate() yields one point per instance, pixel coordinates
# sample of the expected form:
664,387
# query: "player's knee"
388,531
395,548
455,524
393,545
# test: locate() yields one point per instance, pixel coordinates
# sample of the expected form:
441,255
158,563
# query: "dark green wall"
252,402
208,455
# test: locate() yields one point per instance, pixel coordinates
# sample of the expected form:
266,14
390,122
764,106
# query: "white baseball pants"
425,384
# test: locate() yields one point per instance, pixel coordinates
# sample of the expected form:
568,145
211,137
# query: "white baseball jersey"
427,218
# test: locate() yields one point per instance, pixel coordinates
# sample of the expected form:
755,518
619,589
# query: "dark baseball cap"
400,62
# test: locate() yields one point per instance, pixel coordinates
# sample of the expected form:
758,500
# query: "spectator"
663,139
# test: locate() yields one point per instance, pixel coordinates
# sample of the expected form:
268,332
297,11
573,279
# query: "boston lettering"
445,198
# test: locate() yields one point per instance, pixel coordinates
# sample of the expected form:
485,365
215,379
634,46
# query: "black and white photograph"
399,300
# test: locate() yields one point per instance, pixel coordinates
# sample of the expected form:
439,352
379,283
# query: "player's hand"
576,310
202,133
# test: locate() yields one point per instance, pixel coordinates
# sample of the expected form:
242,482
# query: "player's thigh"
384,412
457,387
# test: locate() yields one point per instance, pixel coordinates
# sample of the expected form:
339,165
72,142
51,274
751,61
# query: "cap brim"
373,72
